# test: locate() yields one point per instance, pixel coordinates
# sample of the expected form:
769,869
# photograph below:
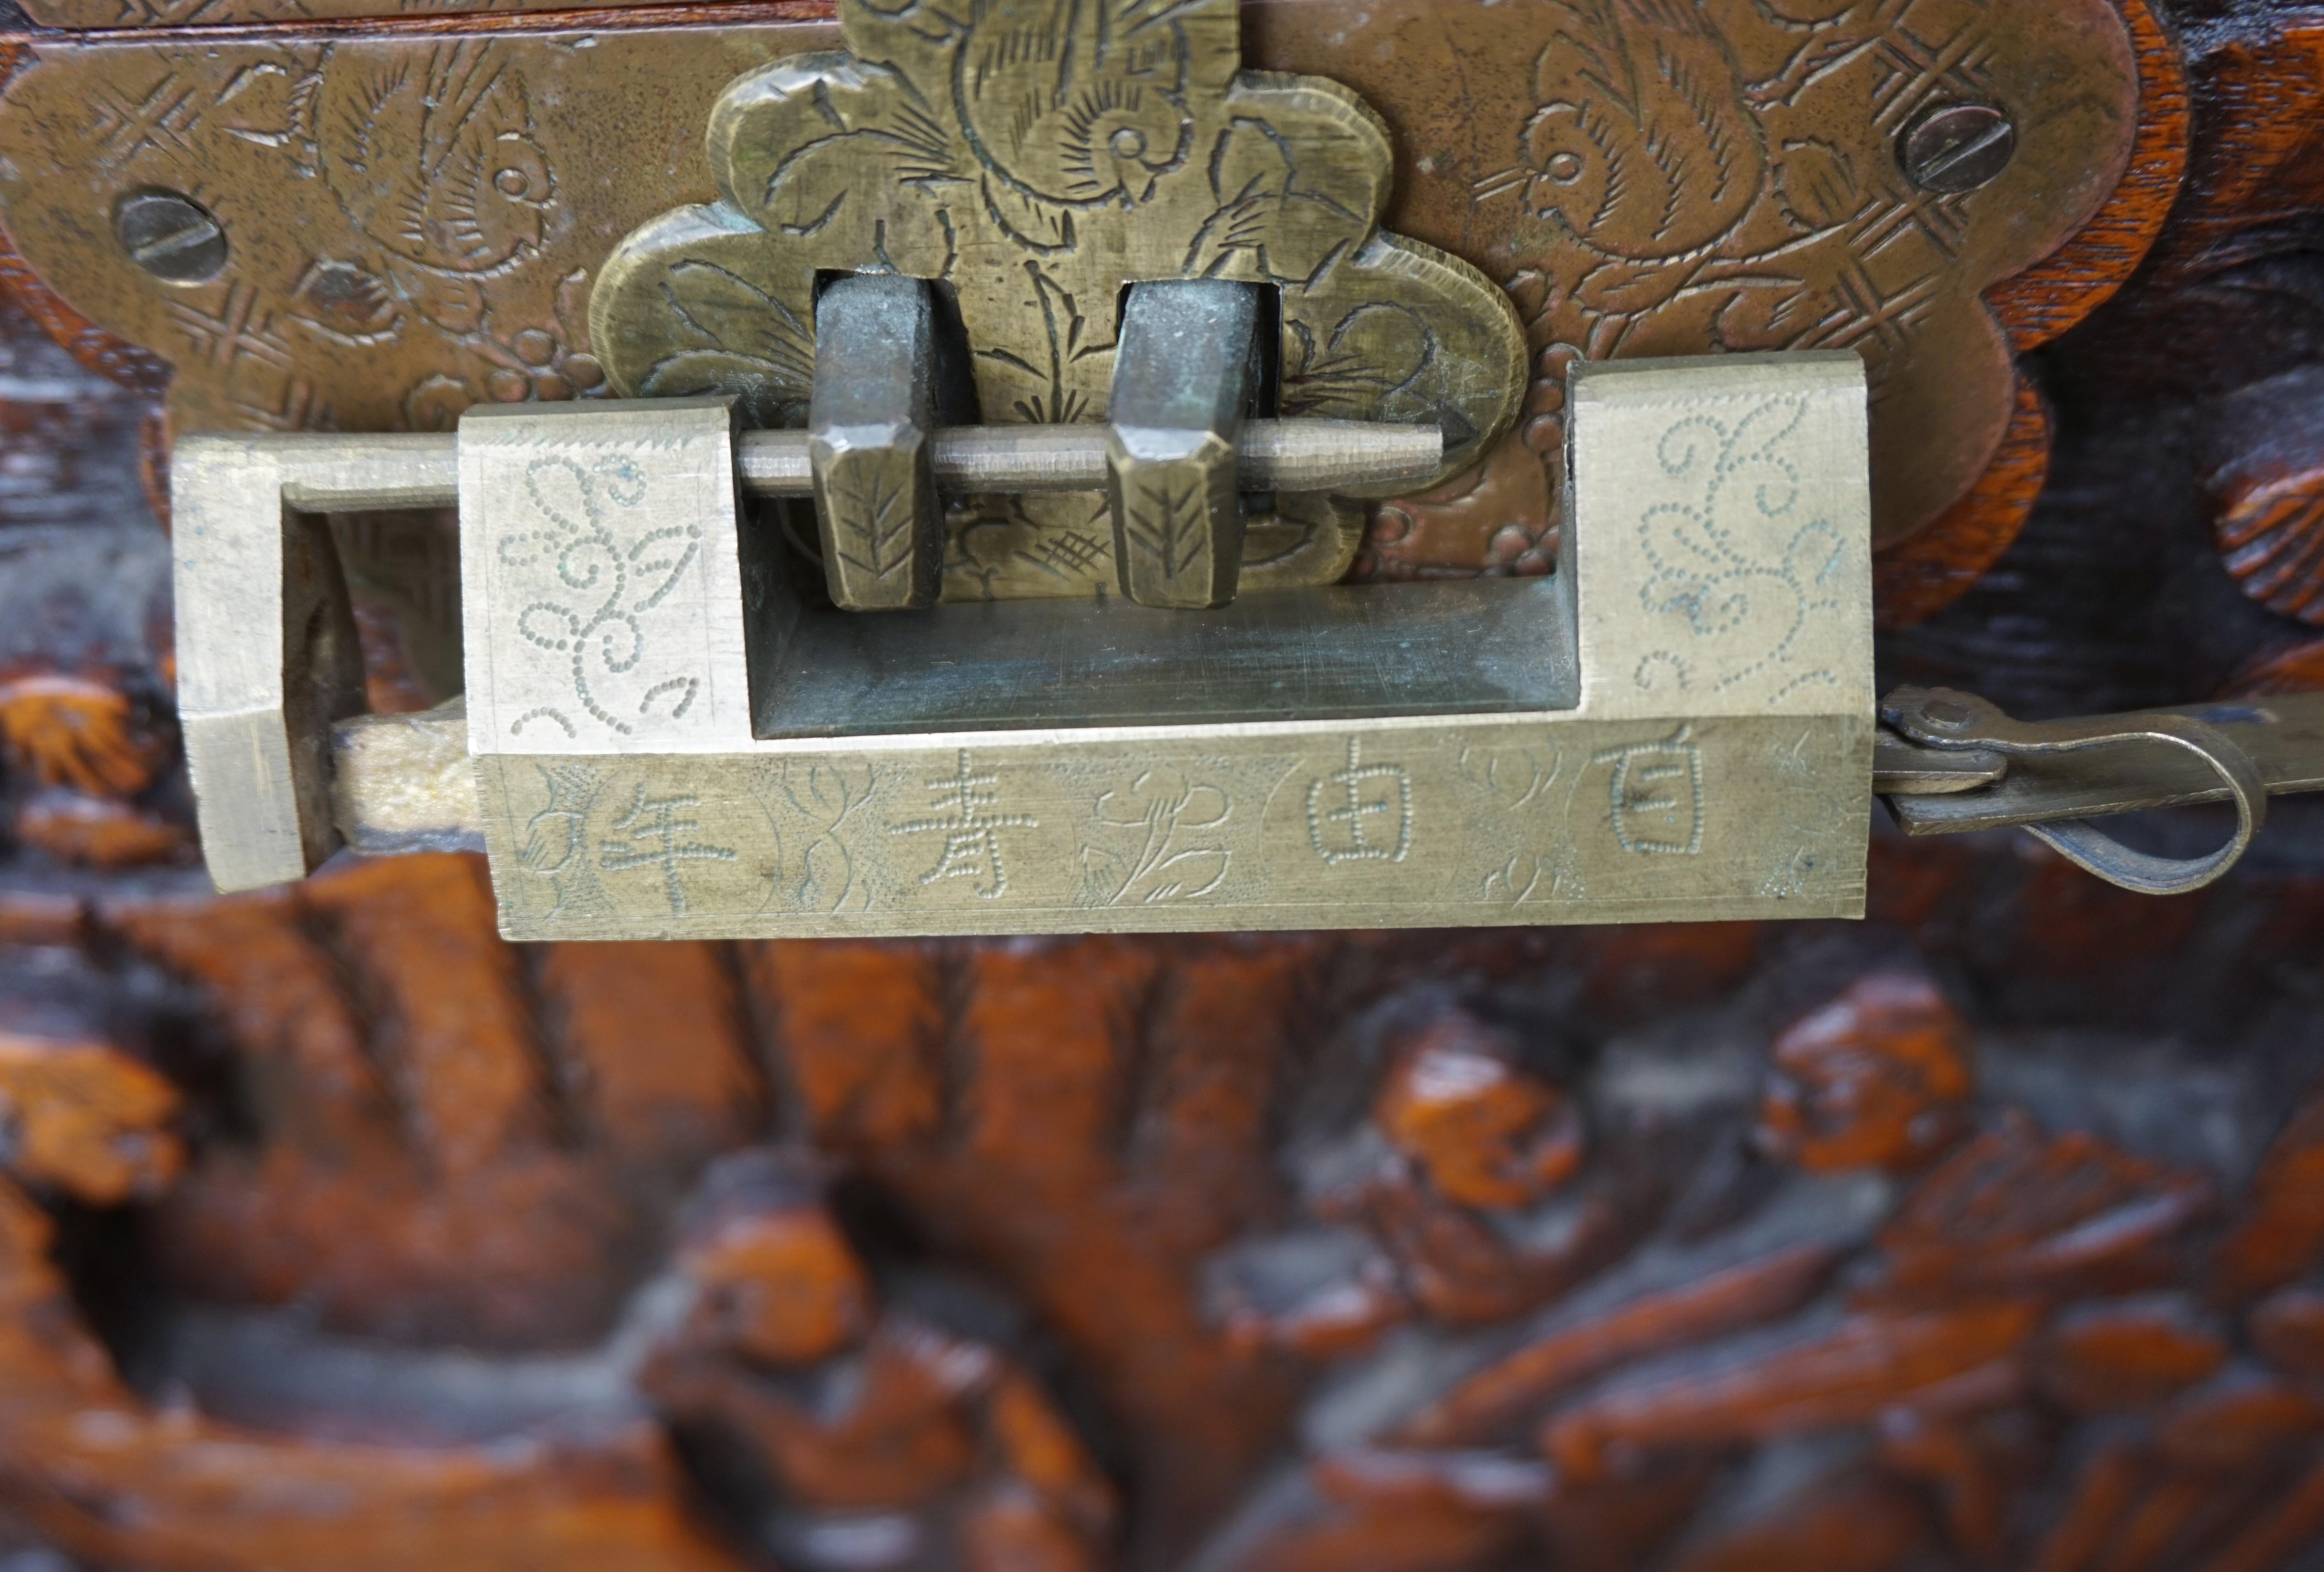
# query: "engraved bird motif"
1644,144
1086,107
434,159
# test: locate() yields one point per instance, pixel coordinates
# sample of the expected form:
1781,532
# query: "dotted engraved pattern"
1360,813
582,832
968,804
1741,568
585,586
1656,794
652,835
1035,155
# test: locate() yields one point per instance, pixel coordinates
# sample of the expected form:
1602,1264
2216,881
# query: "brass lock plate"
1812,229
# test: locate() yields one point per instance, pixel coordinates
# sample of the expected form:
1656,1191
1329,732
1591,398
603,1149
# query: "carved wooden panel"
1352,1253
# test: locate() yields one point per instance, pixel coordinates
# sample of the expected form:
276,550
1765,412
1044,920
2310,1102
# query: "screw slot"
1949,714
1958,147
171,236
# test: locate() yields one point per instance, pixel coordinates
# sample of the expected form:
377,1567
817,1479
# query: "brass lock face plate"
1033,158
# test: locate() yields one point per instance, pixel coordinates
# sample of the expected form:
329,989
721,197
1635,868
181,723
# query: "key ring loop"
1941,717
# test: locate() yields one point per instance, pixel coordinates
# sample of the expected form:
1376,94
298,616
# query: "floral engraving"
1741,566
583,585
1170,856
1517,778
814,802
1722,175
1034,155
1553,875
555,840
1513,774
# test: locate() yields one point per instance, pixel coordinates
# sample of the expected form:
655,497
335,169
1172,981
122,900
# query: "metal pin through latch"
1179,450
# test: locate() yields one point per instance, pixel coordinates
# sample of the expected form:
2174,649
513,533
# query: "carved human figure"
1944,1366
1878,1077
1472,1192
89,1122
1864,1352
1460,1198
889,1439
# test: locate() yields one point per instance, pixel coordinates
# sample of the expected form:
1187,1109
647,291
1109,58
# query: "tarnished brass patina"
1035,157
2057,777
1768,129
871,444
267,649
1187,362
413,223
111,14
1651,179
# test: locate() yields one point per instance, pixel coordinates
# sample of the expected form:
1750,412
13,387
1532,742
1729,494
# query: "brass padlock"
1087,347
668,730
1075,350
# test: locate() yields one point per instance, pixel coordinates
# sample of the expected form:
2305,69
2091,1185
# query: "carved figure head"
776,1280
1874,1079
1485,1132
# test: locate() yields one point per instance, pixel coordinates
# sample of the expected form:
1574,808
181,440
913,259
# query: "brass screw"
1958,147
171,236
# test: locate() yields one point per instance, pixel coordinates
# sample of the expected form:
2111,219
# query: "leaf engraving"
1169,523
872,515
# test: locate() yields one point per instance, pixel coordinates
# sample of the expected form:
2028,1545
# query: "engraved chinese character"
1361,813
659,839
971,829
1657,794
